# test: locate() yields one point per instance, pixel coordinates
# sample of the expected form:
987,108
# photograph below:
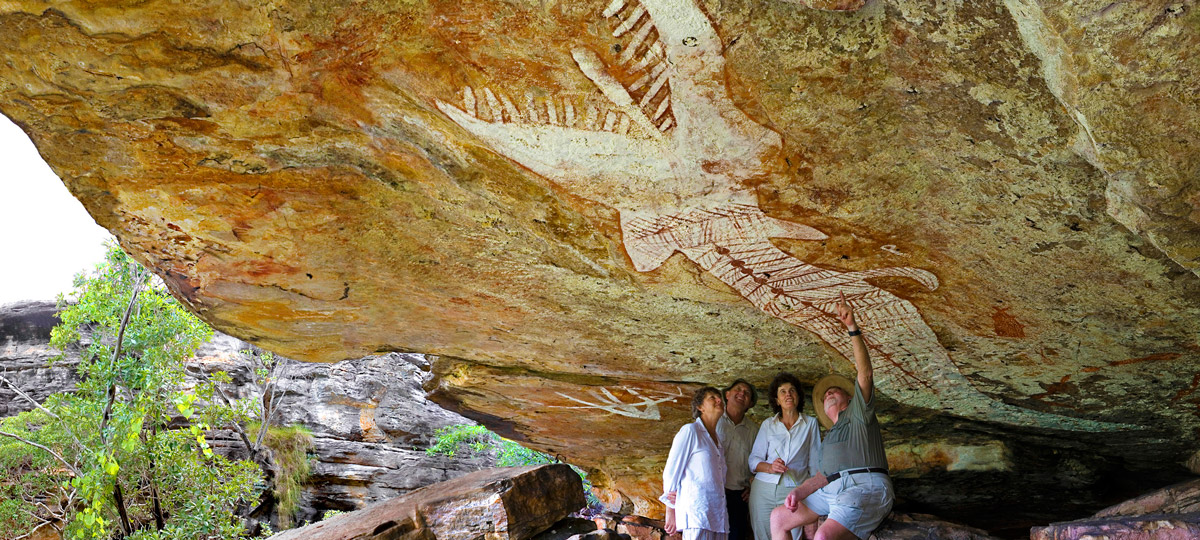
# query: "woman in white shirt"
787,446
695,472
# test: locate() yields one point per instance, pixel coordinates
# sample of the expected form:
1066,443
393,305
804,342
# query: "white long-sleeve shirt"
736,442
799,448
695,471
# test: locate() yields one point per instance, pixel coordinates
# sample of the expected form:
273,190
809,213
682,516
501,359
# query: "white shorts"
858,502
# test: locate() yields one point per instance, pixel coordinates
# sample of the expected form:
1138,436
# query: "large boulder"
587,209
499,504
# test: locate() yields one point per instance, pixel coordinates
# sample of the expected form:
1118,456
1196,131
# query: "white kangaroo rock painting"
676,157
642,407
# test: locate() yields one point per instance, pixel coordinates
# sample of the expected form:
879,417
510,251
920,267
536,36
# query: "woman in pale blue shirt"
787,446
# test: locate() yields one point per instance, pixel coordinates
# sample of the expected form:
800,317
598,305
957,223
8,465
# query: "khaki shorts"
858,502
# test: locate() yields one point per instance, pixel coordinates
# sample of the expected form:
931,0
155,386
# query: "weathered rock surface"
900,526
1183,498
26,358
1149,527
567,528
515,502
587,213
369,418
1167,514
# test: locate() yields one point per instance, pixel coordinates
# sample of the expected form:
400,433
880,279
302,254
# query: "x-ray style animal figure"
674,155
643,407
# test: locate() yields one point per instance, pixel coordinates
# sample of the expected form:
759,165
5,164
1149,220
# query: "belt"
848,472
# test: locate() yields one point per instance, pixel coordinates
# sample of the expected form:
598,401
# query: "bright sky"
46,236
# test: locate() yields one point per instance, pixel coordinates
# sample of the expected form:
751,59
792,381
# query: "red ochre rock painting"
1006,325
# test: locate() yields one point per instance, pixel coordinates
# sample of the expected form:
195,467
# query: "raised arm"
862,361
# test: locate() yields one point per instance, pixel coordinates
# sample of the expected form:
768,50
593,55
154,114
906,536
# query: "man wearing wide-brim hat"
851,485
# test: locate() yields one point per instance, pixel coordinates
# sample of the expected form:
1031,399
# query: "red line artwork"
674,155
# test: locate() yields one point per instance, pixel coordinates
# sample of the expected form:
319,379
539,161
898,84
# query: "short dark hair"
753,390
698,399
780,380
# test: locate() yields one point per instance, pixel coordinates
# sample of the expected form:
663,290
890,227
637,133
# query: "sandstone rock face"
512,502
28,361
588,209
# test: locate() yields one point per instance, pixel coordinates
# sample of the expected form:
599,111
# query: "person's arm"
862,361
758,453
800,492
774,467
673,471
814,448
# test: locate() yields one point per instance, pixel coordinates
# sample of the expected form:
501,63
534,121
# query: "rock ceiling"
588,209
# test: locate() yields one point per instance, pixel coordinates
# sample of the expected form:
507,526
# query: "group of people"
727,478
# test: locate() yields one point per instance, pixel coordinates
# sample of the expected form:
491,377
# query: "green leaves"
117,427
183,404
482,441
109,465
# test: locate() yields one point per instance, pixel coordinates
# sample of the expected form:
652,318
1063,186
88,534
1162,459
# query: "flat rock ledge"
1150,527
1167,514
496,504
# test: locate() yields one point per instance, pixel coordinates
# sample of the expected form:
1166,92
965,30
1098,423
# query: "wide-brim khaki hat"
818,395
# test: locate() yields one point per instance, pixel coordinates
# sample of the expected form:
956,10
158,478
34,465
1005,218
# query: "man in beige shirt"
736,433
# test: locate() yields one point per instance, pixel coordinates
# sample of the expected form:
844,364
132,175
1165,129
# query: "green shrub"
450,439
108,459
480,441
290,446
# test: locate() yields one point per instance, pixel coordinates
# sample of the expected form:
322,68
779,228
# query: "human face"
787,397
835,401
712,406
737,399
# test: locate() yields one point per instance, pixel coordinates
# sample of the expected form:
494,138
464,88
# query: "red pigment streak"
1151,358
1060,387
1189,389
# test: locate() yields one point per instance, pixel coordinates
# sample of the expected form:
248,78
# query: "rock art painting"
674,155
644,407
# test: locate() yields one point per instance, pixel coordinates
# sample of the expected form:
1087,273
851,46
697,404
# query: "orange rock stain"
1006,325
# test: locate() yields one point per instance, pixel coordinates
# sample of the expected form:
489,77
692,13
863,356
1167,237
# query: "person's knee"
783,519
825,534
832,530
780,517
